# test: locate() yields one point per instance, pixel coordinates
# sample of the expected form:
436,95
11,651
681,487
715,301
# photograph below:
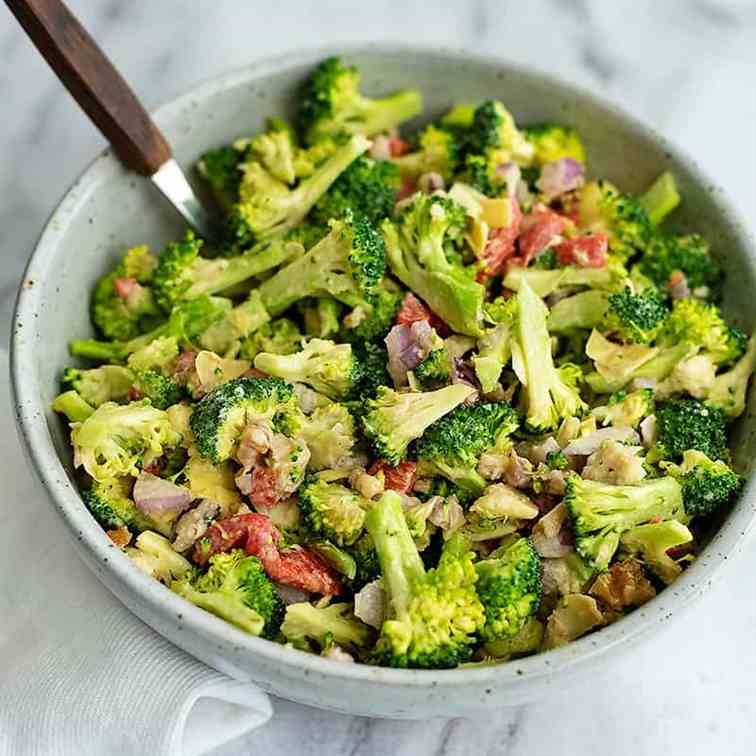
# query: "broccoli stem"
661,198
70,404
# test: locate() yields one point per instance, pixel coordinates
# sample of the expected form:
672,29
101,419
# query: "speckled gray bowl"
108,209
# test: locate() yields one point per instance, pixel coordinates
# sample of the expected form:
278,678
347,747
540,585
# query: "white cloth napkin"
79,674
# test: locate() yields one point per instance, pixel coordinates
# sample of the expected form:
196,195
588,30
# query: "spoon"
110,103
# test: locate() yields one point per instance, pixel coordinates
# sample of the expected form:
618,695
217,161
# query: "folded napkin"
79,674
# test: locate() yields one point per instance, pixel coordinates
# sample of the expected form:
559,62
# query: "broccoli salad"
440,397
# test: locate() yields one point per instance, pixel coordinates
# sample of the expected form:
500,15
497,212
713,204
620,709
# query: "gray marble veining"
686,66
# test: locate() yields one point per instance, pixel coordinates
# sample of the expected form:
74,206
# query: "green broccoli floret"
459,116
604,209
329,433
151,370
109,383
114,439
331,510
635,318
331,369
221,168
123,306
452,445
480,173
509,587
417,243
701,324
435,370
279,336
392,420
601,512
111,504
684,424
367,187
433,616
330,104
347,265
728,394
493,133
495,346
438,152
366,326
707,485
268,207
374,361
553,142
226,335
154,555
626,410
652,542
322,317
220,416
551,393
277,151
366,559
70,404
325,625
557,460
544,282
661,198
690,255
236,589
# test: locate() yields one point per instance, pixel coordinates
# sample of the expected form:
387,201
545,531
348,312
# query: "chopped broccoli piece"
557,460
70,404
690,255
635,318
601,512
435,370
544,282
114,439
111,504
373,324
707,485
417,247
279,336
586,309
366,558
438,152
109,383
330,368
154,555
684,424
324,625
626,410
329,433
509,587
330,104
481,174
322,317
433,616
151,372
493,130
661,198
367,187
219,418
552,142
236,589
728,393
495,346
652,542
551,392
527,641
276,150
393,420
460,116
221,168
332,511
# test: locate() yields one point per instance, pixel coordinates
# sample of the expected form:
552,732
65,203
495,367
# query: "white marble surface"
685,66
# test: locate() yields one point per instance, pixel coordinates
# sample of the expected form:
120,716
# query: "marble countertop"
685,66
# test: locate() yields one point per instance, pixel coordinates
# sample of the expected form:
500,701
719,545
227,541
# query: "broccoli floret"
70,404
601,512
557,460
276,150
374,361
495,346
586,309
109,383
493,130
324,625
151,368
684,424
459,116
604,209
728,393
433,616
707,485
268,207
701,324
330,104
652,542
111,504
480,173
435,370
392,420
331,510
279,336
438,152
661,198
236,589
219,418
114,439
366,559
372,325
453,444
155,556
551,393
330,368
509,587
329,433
417,244
635,318
553,142
690,255
544,282
221,169
367,187
123,306
347,265
322,317
626,410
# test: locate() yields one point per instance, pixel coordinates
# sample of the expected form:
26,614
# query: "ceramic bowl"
108,209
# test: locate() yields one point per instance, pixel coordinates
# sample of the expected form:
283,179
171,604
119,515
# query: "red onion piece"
155,495
559,177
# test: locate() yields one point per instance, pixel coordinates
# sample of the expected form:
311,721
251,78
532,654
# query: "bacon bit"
154,466
413,310
585,251
304,570
134,394
397,146
124,286
501,245
406,189
254,373
656,519
265,489
537,231
121,537
184,367
400,478
624,585
677,552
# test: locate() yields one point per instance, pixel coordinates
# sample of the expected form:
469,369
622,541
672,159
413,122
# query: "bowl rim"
31,419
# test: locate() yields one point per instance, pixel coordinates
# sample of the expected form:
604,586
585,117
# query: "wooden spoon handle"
94,82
